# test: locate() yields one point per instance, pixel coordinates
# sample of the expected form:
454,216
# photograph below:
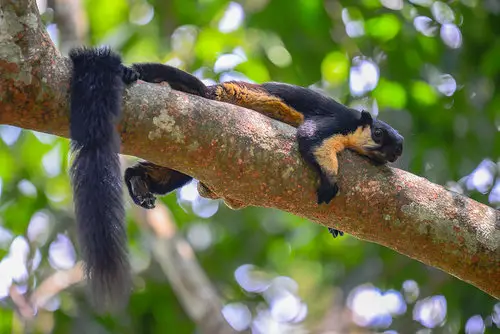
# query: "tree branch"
195,291
251,158
71,23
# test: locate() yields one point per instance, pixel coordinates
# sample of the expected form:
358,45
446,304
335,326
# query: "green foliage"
384,27
390,95
335,68
433,74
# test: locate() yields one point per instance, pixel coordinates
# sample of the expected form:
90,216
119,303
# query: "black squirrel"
325,128
97,83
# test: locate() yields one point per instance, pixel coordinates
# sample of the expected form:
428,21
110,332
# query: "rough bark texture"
248,157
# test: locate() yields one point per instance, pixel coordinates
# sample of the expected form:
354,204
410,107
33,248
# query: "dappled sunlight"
442,12
6,237
234,76
202,207
431,311
411,291
392,4
53,33
227,62
425,26
374,308
445,84
279,55
251,279
237,315
9,134
232,19
50,162
424,3
494,196
481,179
363,77
183,40
451,35
39,228
354,27
283,307
27,188
475,325
13,265
62,253
496,314
141,13
200,236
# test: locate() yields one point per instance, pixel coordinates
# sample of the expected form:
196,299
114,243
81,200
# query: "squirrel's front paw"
327,191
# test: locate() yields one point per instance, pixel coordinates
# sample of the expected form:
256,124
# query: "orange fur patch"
251,96
359,141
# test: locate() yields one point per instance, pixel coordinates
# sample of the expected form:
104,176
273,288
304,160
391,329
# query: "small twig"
27,306
54,284
71,23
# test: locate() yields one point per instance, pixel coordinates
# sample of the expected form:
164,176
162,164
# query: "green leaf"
335,67
255,70
384,27
211,43
354,14
428,44
424,93
390,94
6,317
490,65
371,4
7,167
105,16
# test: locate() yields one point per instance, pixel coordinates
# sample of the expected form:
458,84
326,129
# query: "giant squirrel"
325,128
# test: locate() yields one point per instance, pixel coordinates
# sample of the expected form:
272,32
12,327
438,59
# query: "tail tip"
109,293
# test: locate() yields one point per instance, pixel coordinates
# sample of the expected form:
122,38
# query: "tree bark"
246,156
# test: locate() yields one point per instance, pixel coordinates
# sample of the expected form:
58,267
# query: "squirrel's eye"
378,133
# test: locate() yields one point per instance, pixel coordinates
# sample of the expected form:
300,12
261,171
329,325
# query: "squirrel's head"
383,143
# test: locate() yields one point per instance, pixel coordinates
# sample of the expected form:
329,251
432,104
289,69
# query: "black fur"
96,98
311,103
390,141
311,135
142,184
177,79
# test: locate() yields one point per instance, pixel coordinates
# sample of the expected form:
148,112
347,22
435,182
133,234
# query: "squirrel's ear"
366,118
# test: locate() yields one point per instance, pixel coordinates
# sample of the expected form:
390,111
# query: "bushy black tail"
96,99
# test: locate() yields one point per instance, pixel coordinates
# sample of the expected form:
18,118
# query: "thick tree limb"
248,157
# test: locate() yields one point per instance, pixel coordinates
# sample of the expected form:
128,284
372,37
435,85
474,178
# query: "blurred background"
429,68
